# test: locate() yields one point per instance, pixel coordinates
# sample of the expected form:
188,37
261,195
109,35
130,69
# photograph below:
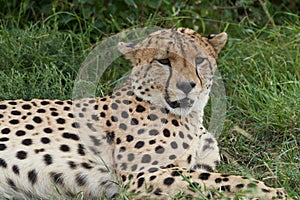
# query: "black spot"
54,114
175,122
15,112
67,108
29,126
105,107
114,106
64,148
133,167
15,169
110,136
61,121
75,125
14,121
225,179
185,145
129,138
138,99
32,176
37,120
130,93
189,159
152,178
140,108
218,180
123,166
2,147
45,103
41,110
57,178
139,144
81,150
225,188
176,173
48,159
140,182
172,157
86,165
174,145
95,118
169,181
48,130
123,126
12,184
265,190
181,135
127,102
80,179
27,142
152,141
39,150
225,175
4,139
166,132
108,123
21,155
159,149
157,191
70,136
124,114
3,107
72,165
204,176
5,131
153,169
123,178
26,106
134,121
3,163
130,157
153,132
20,133
59,102
45,140
146,158
239,186
102,114
152,117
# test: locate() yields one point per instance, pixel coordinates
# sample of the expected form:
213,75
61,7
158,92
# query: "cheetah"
147,136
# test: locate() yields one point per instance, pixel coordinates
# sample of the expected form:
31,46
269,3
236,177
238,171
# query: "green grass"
259,66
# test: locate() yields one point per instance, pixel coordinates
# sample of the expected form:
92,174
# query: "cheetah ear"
127,49
218,41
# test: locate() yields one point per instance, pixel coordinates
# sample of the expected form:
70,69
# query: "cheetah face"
174,68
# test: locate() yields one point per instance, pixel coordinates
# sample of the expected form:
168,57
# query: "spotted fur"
147,136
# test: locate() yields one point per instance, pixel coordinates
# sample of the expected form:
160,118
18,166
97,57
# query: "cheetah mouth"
182,103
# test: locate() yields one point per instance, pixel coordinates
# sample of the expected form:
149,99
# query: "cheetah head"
174,68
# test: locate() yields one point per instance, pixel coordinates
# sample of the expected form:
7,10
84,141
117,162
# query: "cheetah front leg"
178,183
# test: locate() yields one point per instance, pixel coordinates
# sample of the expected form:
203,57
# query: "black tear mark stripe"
167,96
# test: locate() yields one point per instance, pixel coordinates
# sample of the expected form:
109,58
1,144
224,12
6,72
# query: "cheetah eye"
199,60
164,61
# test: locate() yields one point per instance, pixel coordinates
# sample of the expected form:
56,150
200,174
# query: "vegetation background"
43,43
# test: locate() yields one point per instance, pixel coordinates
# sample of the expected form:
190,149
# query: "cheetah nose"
186,87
